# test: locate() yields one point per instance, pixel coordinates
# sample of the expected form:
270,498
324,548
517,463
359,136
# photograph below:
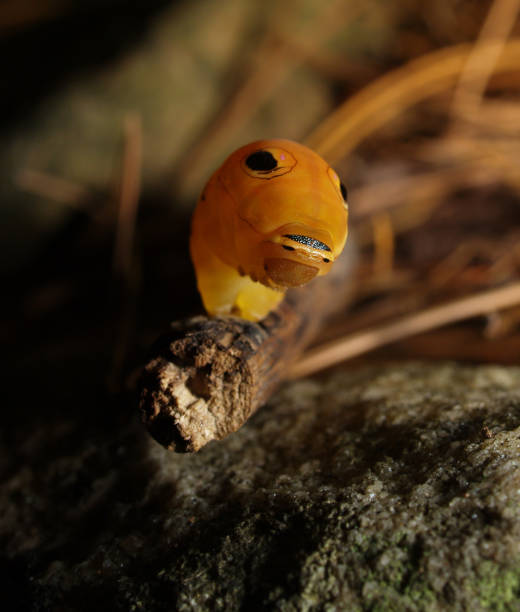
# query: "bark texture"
207,376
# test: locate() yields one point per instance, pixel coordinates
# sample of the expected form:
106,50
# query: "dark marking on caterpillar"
261,161
307,240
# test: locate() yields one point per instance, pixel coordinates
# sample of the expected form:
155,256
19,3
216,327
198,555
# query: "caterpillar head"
290,212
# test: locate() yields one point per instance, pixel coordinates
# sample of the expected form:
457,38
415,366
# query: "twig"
55,188
128,195
362,342
376,197
207,376
384,244
123,252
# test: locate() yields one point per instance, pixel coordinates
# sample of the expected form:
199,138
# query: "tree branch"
207,376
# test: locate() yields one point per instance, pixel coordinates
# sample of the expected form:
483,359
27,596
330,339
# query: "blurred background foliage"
204,77
115,113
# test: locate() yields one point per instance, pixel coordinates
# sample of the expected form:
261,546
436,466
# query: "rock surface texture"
381,488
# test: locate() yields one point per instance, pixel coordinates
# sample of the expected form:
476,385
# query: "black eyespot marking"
203,197
287,247
326,260
312,242
343,190
261,161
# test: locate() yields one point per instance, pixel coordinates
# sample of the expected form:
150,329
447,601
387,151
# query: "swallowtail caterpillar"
273,216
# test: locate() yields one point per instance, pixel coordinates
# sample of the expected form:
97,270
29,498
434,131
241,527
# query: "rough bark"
207,376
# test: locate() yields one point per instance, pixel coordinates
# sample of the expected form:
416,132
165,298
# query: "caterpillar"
273,216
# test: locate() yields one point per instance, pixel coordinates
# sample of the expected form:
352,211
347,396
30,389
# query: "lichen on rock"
382,488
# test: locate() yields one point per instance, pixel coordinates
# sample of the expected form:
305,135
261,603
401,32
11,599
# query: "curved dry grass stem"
395,92
356,344
481,62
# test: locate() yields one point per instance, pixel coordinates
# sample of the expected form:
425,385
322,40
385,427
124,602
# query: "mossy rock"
388,488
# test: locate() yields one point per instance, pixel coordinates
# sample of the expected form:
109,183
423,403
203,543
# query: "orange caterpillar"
273,216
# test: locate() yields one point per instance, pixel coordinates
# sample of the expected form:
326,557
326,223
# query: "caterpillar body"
273,216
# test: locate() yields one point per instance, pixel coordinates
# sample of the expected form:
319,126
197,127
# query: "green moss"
498,587
389,573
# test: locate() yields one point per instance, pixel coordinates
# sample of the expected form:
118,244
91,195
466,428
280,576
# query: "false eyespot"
273,216
268,163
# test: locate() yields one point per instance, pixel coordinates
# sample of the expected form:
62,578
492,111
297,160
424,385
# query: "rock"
383,488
